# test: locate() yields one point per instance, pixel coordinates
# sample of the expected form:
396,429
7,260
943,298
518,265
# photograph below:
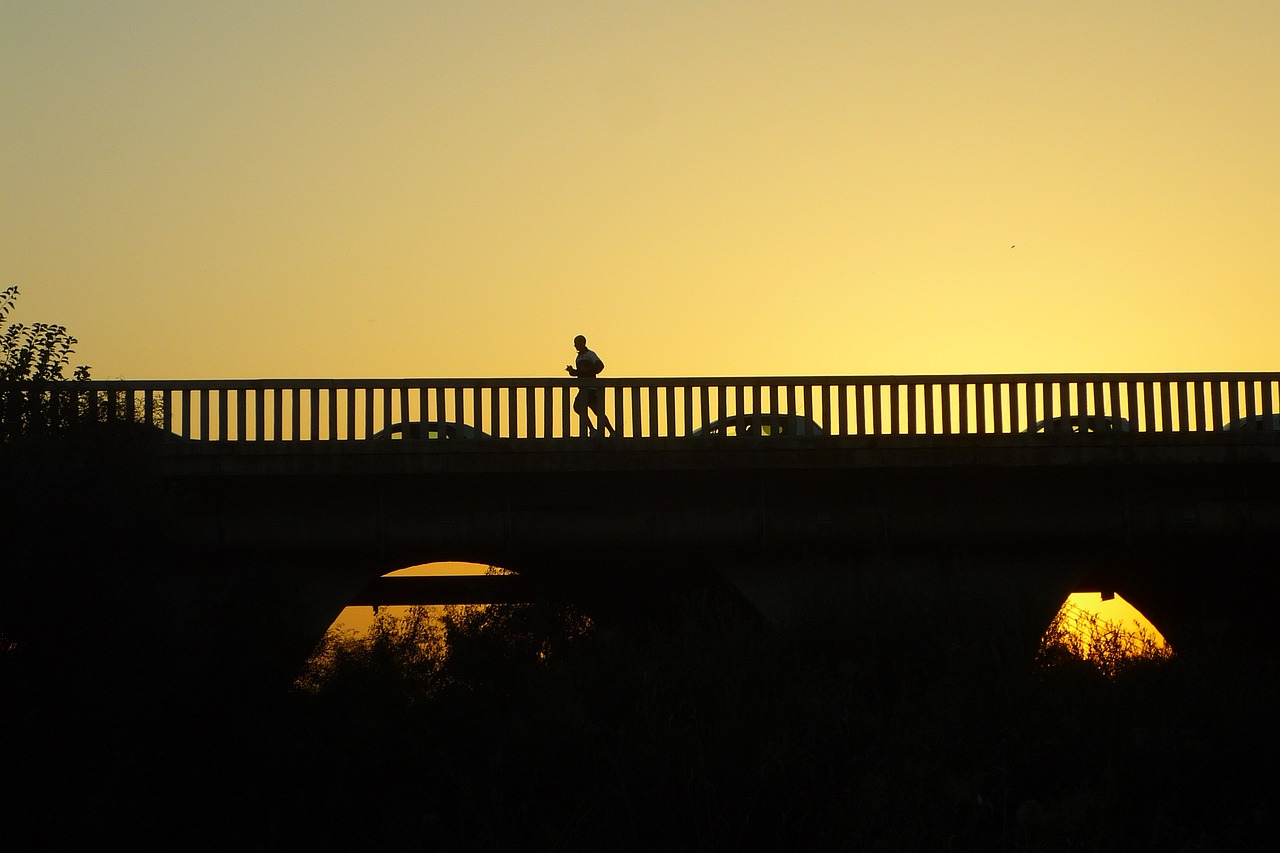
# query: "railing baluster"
1149,405
930,408
1202,422
405,415
259,414
1131,403
314,419
242,413
477,407
636,394
859,417
493,414
277,412
1166,406
330,395
222,413
203,402
620,415
349,396
1183,408
530,411
1029,406
998,406
566,422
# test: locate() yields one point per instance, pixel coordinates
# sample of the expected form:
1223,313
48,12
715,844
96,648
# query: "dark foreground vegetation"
527,728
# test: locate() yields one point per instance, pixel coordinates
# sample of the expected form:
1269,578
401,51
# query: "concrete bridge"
287,500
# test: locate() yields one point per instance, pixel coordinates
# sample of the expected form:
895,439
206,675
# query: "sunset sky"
436,189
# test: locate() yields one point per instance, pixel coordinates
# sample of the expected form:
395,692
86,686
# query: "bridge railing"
344,410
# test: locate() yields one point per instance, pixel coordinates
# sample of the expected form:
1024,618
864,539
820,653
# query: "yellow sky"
389,189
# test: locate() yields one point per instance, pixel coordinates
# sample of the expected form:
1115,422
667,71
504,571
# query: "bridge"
1003,493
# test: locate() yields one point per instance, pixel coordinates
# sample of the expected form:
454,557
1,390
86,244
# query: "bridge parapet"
342,410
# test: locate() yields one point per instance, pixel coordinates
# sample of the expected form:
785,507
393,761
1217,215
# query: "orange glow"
358,619
1112,614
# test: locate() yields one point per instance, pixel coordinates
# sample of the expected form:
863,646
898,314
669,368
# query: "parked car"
1262,423
427,431
1081,423
761,423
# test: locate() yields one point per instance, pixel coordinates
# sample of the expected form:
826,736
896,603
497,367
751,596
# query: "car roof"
418,428
1111,422
804,423
1266,422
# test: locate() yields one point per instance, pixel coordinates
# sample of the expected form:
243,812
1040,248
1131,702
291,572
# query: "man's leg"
601,417
597,406
580,406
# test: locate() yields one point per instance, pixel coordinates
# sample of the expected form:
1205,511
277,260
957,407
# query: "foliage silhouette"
39,352
38,397
1076,634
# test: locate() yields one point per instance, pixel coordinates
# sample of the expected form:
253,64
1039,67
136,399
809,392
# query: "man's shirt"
588,364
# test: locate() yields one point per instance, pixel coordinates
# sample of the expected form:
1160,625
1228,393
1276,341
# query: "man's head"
580,343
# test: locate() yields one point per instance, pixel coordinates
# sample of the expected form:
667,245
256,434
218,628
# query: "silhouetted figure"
587,365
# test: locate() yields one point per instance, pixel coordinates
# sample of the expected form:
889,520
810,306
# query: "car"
1258,423
761,423
1081,423
427,431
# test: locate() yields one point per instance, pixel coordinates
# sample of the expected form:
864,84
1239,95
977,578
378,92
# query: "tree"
30,357
39,352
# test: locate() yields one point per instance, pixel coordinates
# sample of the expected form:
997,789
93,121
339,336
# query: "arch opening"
1102,629
357,618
